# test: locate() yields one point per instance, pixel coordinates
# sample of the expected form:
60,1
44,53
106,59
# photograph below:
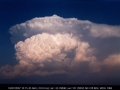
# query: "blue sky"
106,12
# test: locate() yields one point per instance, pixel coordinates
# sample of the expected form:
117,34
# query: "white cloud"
104,31
52,25
45,54
84,50
43,46
55,24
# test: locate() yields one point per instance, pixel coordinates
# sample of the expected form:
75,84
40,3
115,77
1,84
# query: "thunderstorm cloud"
54,45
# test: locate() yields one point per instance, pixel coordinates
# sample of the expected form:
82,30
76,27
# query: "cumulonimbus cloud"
55,24
45,54
51,45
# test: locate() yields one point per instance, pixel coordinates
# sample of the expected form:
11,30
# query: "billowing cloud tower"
53,45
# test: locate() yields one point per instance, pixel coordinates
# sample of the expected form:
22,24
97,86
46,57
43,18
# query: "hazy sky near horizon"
60,41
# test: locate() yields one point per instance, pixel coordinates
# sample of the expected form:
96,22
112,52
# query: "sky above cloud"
50,46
